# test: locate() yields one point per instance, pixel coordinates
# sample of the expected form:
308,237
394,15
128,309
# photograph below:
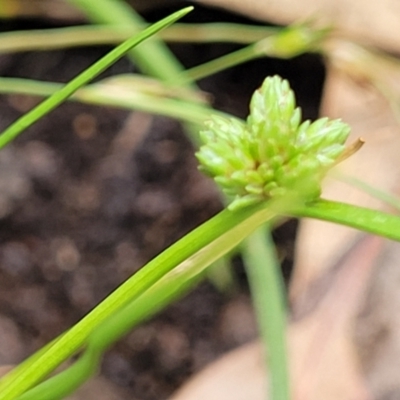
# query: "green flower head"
272,152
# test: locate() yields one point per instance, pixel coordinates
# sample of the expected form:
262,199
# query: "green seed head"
271,153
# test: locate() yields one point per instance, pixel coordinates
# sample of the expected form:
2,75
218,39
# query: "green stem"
153,300
230,60
191,254
200,247
99,94
285,43
267,291
60,38
153,58
60,96
364,219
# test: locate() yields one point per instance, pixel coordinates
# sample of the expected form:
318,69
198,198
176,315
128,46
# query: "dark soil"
89,194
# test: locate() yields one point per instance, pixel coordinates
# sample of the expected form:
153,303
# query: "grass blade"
82,79
91,35
268,293
154,58
199,248
110,93
364,219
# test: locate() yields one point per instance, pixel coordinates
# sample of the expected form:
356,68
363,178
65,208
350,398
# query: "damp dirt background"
89,194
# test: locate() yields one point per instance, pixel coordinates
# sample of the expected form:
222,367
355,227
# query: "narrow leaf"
86,76
364,219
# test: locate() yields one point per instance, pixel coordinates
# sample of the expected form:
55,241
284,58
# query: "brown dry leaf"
322,360
377,163
377,330
351,93
376,22
238,375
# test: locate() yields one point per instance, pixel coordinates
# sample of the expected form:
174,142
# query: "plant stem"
364,219
230,60
107,93
82,79
75,36
199,248
267,290
284,43
153,58
153,300
191,254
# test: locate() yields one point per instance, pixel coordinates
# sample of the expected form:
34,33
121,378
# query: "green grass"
176,270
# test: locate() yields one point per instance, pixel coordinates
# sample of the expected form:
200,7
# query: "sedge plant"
270,167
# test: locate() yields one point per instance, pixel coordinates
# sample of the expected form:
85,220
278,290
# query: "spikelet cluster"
273,152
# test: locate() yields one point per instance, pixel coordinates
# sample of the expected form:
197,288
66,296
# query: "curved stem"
199,248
